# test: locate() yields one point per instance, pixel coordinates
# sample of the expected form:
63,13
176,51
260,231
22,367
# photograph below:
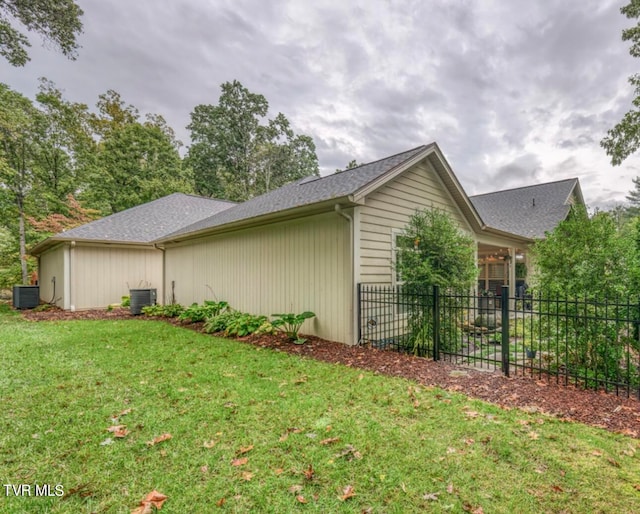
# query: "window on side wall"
398,241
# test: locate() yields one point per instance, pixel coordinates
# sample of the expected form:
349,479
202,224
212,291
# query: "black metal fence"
589,342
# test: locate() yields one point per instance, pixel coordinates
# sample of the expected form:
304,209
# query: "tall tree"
624,138
134,161
57,21
64,136
634,198
18,121
237,153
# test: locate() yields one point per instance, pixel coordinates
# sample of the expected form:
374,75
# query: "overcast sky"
515,92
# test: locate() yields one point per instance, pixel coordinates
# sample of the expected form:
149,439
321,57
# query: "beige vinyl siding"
291,266
52,265
102,275
389,209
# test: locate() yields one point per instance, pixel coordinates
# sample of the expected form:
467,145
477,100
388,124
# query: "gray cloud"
513,92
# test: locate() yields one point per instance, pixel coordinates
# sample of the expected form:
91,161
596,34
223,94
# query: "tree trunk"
23,242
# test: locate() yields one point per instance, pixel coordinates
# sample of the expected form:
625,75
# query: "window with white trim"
398,240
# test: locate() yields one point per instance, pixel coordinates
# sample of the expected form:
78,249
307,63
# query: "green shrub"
244,325
126,301
219,323
172,310
234,323
196,313
165,311
290,324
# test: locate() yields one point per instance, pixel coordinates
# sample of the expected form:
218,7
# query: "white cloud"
518,91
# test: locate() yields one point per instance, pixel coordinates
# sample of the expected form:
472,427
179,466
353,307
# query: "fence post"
504,304
359,307
435,312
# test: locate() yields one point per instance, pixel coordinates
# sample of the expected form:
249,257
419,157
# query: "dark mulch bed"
614,413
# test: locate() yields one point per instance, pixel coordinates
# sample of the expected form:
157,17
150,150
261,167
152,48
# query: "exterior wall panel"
102,275
291,266
52,266
389,209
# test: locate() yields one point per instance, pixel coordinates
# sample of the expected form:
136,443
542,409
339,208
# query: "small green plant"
126,301
164,311
153,310
172,310
290,324
219,323
196,313
244,324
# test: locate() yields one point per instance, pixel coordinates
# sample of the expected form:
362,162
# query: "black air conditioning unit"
140,298
26,297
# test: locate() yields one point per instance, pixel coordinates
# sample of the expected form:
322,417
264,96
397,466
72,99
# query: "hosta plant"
290,324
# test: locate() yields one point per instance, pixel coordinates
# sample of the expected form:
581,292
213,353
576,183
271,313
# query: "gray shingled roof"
150,221
527,211
303,192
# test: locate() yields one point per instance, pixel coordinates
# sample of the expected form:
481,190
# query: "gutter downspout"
354,292
164,272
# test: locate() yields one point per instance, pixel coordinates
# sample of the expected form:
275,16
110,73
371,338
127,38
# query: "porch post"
512,277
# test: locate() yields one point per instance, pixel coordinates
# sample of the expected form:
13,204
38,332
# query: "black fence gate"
589,342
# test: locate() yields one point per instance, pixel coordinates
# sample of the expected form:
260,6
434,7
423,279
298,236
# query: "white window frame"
398,313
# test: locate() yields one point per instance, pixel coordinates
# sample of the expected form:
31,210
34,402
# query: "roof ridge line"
525,187
302,181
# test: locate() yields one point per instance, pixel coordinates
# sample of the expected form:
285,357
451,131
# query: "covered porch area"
502,265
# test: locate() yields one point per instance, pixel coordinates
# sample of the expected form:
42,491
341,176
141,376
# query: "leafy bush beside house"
433,251
196,313
583,268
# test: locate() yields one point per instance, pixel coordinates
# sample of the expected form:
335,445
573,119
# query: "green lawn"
261,431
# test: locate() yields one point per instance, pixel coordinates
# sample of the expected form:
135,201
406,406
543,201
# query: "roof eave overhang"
52,242
264,219
507,235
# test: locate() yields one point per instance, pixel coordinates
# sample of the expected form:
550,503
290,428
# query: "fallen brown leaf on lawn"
123,413
279,471
284,437
347,493
467,507
557,488
450,488
239,462
247,475
350,453
533,435
246,449
309,472
430,497
295,488
637,487
209,444
597,453
330,440
613,462
118,430
153,499
221,502
159,439
472,414
204,469
301,499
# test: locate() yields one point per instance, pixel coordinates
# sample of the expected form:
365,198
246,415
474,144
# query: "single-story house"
95,265
304,246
